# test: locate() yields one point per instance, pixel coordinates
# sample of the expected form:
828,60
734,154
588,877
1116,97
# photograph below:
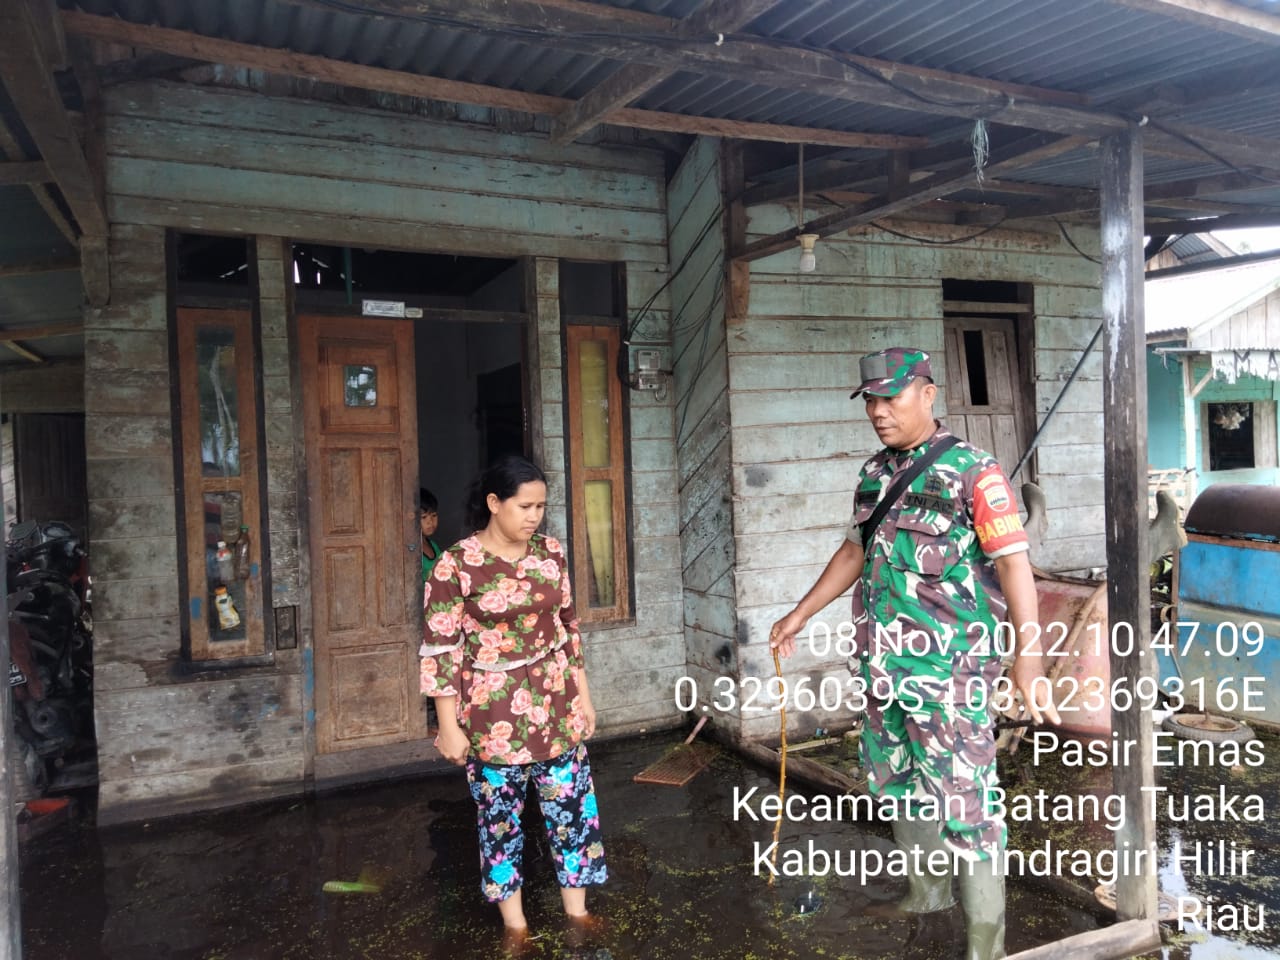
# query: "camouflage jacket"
930,566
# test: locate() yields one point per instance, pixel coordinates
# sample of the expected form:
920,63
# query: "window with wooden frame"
221,503
597,473
1239,435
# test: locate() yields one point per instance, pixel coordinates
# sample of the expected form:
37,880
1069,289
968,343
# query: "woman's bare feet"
516,942
584,928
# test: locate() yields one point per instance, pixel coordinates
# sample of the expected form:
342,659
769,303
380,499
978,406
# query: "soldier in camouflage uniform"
945,565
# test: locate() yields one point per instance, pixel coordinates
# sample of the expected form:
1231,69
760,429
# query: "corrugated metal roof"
1088,46
1196,300
1109,51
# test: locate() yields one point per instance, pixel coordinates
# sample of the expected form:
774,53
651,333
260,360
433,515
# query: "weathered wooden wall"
219,161
702,417
632,667
50,388
167,739
1253,328
1246,389
798,441
7,479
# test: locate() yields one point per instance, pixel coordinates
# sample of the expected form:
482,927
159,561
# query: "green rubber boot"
982,897
928,891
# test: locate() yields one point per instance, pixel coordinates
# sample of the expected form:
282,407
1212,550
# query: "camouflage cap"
889,372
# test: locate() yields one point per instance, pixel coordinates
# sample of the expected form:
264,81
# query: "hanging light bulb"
808,262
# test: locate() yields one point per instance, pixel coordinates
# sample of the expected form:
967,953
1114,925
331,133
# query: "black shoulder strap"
900,484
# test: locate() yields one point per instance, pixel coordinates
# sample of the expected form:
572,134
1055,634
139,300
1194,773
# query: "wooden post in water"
10,905
1128,566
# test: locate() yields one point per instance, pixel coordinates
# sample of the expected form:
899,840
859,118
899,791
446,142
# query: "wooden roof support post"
10,903
1125,488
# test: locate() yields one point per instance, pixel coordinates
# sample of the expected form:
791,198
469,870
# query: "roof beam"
287,63
70,328
1206,265
28,78
32,267
1221,15
24,173
825,174
634,80
1233,221
12,150
751,60
593,29
1187,194
1029,150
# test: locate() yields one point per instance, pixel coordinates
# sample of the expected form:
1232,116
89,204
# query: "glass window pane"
598,495
593,376
219,407
360,385
224,599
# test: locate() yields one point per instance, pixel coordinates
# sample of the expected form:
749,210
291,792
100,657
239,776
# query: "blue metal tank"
1225,648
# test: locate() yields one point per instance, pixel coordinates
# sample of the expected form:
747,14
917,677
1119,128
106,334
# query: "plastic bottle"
242,556
222,557
228,617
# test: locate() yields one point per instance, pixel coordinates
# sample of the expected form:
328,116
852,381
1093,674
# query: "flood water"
248,883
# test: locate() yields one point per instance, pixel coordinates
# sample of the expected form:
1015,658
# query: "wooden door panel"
997,425
390,540
369,699
361,425
346,606
341,472
340,361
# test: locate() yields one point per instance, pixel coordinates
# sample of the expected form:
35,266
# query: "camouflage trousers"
931,748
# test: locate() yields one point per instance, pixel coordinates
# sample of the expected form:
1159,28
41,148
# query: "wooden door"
49,461
366,573
984,394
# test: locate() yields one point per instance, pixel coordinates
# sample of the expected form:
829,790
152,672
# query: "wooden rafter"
24,172
821,73
592,29
1220,15
578,25
287,63
25,352
71,328
1030,149
1234,221
1190,194
634,80
829,175
1204,87
32,267
10,149
29,80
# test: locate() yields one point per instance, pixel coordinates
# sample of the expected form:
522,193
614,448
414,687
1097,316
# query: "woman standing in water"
502,656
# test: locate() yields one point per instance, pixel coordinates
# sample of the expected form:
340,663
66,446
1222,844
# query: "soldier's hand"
1029,678
782,635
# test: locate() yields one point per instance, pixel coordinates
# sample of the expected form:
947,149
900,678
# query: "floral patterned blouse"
503,637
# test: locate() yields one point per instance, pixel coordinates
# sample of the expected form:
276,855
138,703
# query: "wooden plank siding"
240,163
701,380
633,666
797,441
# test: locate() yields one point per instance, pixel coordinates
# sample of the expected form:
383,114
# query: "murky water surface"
249,884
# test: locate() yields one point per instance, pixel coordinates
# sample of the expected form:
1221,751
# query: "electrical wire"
941,243
670,42
705,319
1213,155
1067,237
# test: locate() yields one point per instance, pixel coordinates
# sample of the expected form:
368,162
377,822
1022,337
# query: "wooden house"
330,253
1213,372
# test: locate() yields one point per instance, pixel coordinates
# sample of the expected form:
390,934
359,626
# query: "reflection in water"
249,884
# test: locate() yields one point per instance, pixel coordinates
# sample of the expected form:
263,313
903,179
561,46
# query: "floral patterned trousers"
568,801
